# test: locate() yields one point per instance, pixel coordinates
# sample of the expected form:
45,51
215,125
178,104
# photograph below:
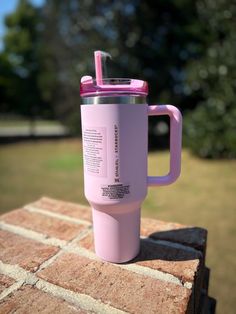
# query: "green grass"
24,122
204,196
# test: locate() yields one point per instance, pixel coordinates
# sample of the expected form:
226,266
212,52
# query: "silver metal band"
106,100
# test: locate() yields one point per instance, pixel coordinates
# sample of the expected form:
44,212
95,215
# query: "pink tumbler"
114,117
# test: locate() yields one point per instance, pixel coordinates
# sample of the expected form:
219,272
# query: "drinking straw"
98,57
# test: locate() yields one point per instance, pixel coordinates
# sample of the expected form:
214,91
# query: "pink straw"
99,56
98,66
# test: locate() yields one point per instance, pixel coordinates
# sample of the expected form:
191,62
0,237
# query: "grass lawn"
24,123
205,196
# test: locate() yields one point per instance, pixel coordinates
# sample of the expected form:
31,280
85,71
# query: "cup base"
116,235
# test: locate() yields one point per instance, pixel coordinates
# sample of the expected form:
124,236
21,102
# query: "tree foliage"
211,128
21,62
184,49
151,40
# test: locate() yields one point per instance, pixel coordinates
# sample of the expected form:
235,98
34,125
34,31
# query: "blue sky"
6,7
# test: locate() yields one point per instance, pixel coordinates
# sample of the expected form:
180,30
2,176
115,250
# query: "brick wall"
48,265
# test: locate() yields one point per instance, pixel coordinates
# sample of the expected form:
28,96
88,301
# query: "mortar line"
32,207
84,301
80,236
63,249
81,300
68,247
15,271
138,269
156,274
63,217
50,260
15,286
33,235
20,275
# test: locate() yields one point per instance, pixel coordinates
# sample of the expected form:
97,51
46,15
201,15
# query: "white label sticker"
95,151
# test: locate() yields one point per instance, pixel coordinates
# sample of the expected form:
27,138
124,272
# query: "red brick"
180,263
28,300
48,225
191,236
118,287
185,265
65,208
87,242
5,282
27,253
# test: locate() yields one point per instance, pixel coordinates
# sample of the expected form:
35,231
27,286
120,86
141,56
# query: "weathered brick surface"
191,236
29,300
172,249
47,225
24,252
118,287
178,262
5,282
65,208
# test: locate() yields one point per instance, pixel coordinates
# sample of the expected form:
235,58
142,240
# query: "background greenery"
185,50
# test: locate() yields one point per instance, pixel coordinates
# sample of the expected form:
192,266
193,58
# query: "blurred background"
185,49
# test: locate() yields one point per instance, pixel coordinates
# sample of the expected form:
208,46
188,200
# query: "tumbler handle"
175,143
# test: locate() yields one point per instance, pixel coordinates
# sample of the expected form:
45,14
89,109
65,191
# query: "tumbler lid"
106,86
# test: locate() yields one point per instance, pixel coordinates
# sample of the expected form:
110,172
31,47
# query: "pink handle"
175,143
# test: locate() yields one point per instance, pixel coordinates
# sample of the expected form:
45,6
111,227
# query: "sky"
6,7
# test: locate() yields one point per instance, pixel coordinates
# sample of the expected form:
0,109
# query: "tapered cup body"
115,174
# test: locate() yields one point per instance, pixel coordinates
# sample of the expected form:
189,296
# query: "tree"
151,40
211,128
21,61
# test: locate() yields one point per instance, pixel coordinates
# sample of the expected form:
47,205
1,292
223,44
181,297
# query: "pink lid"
90,86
